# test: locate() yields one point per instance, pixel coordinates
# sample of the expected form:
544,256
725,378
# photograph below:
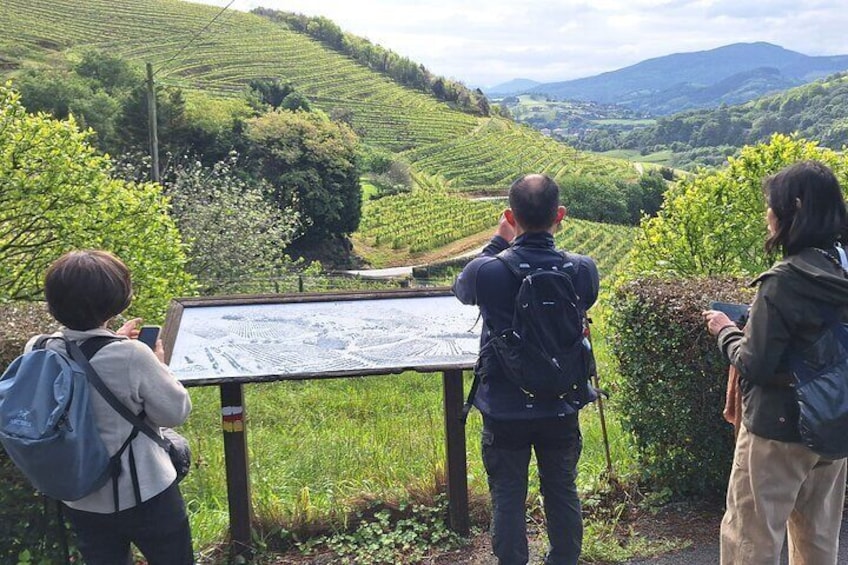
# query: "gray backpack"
46,425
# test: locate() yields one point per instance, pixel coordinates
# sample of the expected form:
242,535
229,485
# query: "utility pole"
152,129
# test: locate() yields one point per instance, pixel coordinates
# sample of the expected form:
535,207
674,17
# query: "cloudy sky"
485,42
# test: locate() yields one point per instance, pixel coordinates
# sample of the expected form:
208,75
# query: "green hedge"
27,533
673,382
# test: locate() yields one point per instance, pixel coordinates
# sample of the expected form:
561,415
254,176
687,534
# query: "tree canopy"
714,223
232,231
311,164
58,195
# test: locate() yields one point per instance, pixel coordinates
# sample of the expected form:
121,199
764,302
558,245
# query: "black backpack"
546,352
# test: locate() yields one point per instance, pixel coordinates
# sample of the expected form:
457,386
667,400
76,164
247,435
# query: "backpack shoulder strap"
94,379
520,268
92,345
568,264
513,261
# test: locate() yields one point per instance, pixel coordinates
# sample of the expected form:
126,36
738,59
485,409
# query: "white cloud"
483,42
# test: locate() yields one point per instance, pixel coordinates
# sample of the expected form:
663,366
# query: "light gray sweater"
137,378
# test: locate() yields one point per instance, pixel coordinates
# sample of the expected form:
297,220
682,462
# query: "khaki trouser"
775,484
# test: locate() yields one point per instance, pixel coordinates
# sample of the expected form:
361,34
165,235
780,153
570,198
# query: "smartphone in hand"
738,313
149,335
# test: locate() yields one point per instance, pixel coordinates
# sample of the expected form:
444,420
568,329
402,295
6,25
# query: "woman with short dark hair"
84,291
777,483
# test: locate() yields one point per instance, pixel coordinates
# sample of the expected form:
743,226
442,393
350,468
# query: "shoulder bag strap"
95,381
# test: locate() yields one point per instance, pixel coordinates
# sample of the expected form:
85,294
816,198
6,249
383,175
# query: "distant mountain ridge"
731,74
514,86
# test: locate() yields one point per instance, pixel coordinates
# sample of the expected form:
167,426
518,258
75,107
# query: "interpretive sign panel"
256,338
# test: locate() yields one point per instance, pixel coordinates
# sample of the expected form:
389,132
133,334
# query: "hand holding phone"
738,313
149,335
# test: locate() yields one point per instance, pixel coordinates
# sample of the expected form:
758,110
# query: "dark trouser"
158,527
506,456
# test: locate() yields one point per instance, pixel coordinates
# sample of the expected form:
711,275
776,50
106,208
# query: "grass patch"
369,190
658,158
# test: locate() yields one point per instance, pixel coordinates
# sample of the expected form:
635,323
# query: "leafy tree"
594,198
62,93
307,157
109,72
645,196
232,232
271,91
215,126
714,223
57,195
174,131
295,101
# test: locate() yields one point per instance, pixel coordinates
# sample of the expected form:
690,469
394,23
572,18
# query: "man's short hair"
534,200
86,288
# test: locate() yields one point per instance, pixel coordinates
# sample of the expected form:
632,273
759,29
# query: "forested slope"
817,111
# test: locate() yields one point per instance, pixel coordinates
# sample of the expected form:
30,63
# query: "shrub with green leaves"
714,223
57,195
233,233
673,385
710,225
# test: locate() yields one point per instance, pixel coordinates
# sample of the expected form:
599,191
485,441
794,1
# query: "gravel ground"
706,552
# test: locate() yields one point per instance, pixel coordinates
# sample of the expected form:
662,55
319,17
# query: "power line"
195,36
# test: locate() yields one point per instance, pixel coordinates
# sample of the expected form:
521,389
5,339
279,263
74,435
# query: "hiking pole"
601,393
603,423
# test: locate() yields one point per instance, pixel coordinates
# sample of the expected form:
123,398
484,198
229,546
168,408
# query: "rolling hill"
815,111
730,74
479,154
514,86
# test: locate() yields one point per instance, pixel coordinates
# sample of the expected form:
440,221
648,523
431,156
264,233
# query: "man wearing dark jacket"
513,421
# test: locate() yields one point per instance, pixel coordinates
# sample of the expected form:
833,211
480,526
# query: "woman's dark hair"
807,201
85,288
534,200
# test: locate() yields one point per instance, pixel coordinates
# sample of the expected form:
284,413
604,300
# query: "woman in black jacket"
778,484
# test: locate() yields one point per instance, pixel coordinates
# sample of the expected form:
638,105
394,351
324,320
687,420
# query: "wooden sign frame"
234,425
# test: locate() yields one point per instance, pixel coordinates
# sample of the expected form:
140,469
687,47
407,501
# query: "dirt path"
466,247
703,531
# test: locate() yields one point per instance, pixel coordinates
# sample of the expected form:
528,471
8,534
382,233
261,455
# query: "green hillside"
815,111
488,158
237,47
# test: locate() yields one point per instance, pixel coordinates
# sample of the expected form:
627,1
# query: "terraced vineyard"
424,219
238,47
607,244
489,159
430,217
474,152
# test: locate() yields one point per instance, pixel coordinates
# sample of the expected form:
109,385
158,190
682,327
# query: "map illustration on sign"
324,337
